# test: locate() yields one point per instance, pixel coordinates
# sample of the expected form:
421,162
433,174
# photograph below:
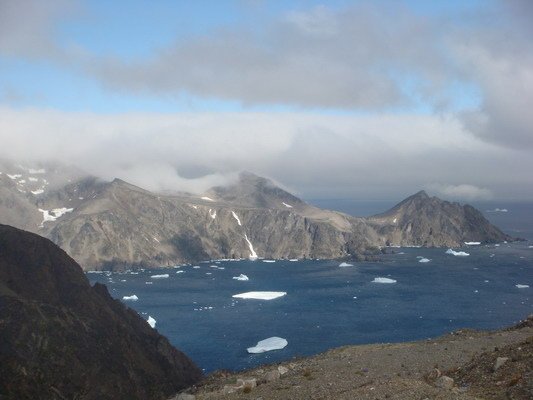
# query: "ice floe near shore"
151,321
259,295
520,286
472,243
424,260
269,261
345,264
241,277
160,276
457,253
383,280
133,297
272,343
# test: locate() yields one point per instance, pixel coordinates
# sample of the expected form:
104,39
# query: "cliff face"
62,338
117,225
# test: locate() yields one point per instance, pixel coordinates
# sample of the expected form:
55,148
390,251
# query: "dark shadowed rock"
63,339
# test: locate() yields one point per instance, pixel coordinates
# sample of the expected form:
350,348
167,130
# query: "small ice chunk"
286,205
472,243
457,253
259,295
160,276
293,260
207,198
180,272
269,261
272,343
151,321
424,260
196,267
383,280
241,277
345,264
520,286
133,297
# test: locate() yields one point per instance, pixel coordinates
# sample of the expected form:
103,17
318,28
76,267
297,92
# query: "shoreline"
457,365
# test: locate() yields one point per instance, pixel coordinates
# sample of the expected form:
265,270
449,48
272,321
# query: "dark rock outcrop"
63,339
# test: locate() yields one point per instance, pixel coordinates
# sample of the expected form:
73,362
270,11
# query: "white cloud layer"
385,156
460,192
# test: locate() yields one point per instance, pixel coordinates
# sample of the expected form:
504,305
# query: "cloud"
461,192
321,156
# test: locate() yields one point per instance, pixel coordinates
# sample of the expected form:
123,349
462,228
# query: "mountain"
62,338
118,225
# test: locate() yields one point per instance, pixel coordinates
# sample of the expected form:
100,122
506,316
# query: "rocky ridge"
105,225
62,338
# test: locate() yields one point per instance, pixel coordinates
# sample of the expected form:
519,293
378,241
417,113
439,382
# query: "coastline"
458,365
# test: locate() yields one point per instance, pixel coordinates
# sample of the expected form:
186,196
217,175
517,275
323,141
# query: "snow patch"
54,214
236,217
286,205
160,276
37,171
151,321
253,254
345,264
133,297
272,343
207,198
38,191
213,214
241,277
394,220
259,295
383,280
32,179
14,176
457,253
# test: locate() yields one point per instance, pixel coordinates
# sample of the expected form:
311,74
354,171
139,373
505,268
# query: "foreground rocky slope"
63,339
463,365
118,225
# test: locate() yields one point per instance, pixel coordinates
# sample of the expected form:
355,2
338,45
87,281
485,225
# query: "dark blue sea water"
327,306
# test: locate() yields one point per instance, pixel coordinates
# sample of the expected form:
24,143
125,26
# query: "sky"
337,99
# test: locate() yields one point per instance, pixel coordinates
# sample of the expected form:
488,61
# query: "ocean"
327,306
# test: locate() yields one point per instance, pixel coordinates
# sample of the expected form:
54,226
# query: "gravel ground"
413,370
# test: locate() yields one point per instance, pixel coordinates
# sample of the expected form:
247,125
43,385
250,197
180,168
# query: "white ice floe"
286,205
38,191
293,260
160,276
241,277
151,321
345,264
269,261
196,267
37,171
272,343
180,272
457,253
519,286
259,295
213,214
383,280
472,243
207,198
52,215
133,297
424,260
236,217
253,254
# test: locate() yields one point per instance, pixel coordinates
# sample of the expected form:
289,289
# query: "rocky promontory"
63,339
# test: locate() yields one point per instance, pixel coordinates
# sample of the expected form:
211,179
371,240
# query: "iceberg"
457,253
151,321
345,264
424,260
272,343
472,243
161,276
259,295
519,286
269,261
241,277
133,297
383,280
